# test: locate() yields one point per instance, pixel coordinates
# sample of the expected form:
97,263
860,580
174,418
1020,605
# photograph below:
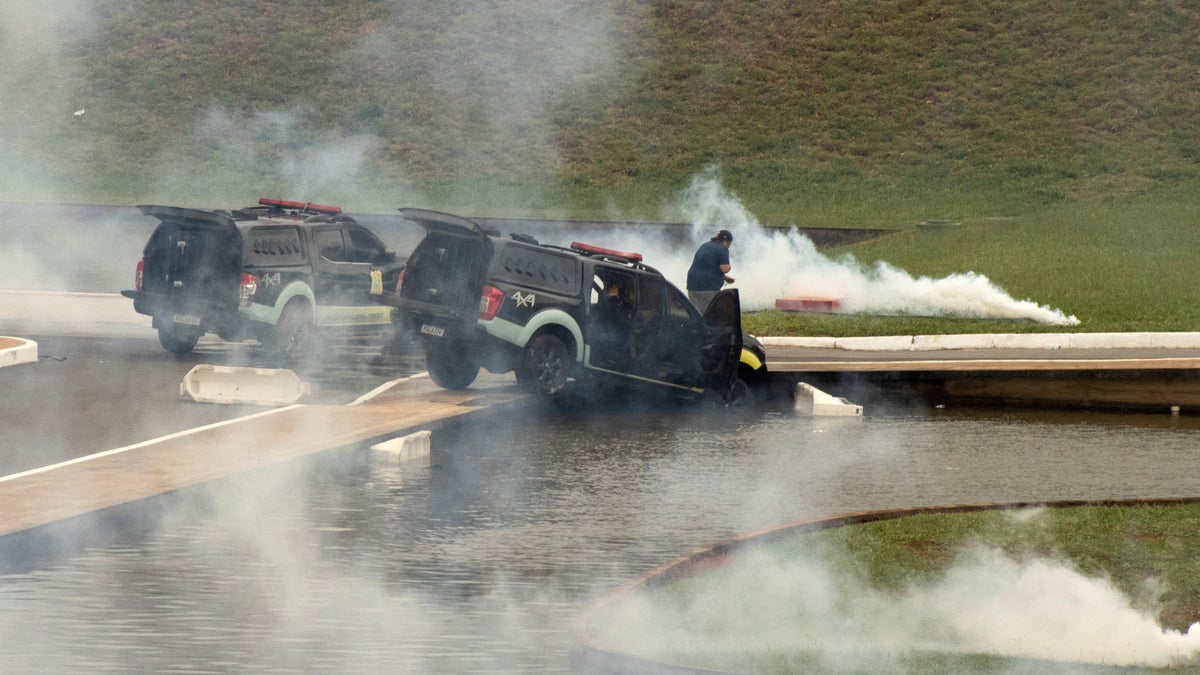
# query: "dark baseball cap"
723,235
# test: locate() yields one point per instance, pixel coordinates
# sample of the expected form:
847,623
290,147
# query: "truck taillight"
489,302
139,274
248,287
400,281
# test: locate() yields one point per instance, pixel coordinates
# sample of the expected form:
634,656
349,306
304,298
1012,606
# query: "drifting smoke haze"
40,89
987,603
231,153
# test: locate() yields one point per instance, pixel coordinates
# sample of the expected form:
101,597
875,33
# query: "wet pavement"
479,560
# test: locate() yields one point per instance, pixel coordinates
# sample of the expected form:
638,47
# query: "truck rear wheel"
451,365
178,339
292,337
545,365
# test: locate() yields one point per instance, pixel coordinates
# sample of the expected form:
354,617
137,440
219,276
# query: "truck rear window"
540,269
274,246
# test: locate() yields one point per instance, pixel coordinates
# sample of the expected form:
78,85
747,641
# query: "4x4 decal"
269,279
524,300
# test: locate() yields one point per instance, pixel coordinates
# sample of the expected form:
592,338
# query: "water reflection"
479,561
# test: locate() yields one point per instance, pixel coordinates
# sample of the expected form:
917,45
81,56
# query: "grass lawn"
1026,590
1122,265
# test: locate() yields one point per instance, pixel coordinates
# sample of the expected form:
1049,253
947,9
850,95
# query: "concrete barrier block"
413,447
14,351
251,386
816,403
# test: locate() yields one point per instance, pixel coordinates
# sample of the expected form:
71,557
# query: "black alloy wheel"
546,364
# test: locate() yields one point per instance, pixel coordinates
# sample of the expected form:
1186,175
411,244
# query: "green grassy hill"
575,106
1064,136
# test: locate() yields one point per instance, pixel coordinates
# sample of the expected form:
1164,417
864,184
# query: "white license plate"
435,331
186,319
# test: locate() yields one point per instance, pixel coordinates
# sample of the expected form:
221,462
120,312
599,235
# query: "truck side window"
330,245
679,307
364,246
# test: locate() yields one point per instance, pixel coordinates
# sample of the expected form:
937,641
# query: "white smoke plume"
989,603
769,264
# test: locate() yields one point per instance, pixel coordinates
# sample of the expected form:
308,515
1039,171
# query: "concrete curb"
14,350
906,343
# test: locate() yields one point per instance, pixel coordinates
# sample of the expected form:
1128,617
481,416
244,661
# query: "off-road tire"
736,396
450,365
291,341
177,339
545,365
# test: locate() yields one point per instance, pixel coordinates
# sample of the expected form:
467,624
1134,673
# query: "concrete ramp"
248,386
814,402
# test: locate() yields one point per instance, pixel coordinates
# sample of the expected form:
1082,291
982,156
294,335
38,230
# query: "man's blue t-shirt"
705,273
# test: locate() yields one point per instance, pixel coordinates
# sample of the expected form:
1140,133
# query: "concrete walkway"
123,475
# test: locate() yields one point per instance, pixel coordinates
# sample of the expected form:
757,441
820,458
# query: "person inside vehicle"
710,269
612,321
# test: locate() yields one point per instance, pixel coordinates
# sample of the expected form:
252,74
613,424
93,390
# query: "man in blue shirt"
710,269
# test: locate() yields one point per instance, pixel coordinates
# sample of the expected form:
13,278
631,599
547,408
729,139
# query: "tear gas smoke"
770,264
226,151
988,603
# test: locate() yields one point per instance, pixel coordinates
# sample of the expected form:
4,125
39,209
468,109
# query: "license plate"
435,331
186,319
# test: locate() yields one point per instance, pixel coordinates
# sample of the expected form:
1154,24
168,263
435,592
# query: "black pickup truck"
275,272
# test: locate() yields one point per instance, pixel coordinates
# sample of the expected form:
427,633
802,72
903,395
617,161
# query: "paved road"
88,394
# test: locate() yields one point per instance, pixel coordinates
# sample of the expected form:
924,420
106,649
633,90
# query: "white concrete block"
413,447
814,402
21,351
253,386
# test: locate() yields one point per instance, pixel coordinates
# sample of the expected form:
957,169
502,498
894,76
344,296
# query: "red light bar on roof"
588,248
303,206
